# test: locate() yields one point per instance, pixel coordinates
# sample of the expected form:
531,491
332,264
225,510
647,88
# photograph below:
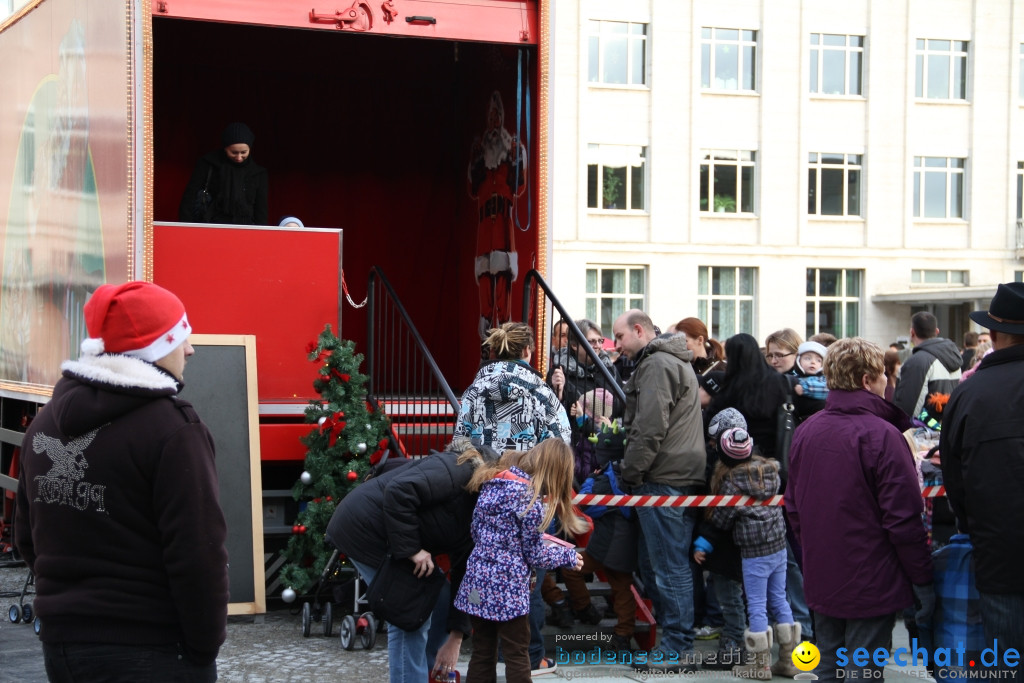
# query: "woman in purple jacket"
854,503
508,525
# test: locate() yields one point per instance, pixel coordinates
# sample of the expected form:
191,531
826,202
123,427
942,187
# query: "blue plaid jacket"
957,616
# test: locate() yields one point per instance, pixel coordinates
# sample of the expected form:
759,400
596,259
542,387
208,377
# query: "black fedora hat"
1006,310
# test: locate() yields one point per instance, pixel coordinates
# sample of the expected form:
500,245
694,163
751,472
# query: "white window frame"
951,167
852,45
710,40
713,307
814,300
1020,190
739,159
947,278
605,157
620,301
817,166
600,30
1020,73
957,51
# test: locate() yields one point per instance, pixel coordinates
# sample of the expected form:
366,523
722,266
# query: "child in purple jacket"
508,530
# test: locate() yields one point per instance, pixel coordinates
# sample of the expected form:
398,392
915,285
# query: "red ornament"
328,499
302,529
295,529
352,475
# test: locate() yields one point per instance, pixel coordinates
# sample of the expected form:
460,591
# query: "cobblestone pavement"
271,649
266,649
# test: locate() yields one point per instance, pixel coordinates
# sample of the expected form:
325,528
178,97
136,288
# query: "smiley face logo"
806,656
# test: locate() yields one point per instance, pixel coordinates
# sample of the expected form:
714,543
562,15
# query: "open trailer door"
411,125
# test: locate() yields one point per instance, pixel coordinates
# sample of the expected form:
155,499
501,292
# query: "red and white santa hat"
138,319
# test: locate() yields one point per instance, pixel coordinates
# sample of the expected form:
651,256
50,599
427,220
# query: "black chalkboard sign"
220,381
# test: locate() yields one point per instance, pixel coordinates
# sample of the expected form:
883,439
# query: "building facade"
760,164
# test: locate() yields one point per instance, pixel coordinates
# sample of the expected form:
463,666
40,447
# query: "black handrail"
529,301
403,375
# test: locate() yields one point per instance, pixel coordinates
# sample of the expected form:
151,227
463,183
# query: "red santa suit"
497,176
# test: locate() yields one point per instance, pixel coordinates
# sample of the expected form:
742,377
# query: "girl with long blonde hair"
508,528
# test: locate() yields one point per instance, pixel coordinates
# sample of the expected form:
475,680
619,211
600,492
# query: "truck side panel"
65,131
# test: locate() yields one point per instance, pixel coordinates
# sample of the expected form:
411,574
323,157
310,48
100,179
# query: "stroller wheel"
37,625
307,619
27,613
368,635
328,618
14,614
348,632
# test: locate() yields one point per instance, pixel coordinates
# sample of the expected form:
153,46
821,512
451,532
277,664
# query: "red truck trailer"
368,116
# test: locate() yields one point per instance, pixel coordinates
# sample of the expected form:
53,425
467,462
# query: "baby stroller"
353,626
22,611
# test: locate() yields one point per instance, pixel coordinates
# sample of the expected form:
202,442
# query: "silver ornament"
361,447
306,478
322,420
288,595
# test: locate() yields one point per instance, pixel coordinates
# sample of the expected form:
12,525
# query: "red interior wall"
365,133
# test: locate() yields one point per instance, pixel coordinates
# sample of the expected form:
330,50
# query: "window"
1020,190
833,301
1020,73
1018,276
617,53
725,299
833,184
938,277
836,64
941,69
727,181
938,187
615,177
613,290
728,59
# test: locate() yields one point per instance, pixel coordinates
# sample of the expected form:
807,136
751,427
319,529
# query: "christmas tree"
349,437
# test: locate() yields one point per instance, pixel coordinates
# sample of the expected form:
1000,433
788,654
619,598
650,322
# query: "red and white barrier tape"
701,501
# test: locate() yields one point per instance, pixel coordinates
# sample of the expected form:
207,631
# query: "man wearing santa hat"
118,514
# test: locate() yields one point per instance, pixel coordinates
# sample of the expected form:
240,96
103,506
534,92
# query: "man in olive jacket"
664,456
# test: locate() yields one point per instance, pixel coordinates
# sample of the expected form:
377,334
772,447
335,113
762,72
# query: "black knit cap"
237,134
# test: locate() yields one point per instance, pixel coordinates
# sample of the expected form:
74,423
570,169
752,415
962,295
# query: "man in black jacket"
982,452
933,367
118,512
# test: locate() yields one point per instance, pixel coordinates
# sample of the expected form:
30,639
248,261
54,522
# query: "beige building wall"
783,123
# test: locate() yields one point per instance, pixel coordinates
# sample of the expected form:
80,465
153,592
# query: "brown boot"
759,656
788,637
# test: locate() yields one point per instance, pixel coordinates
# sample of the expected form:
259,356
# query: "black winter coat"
981,446
118,512
238,191
421,505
